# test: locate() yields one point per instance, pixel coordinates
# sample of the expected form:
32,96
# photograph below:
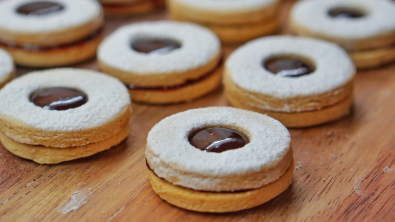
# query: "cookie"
63,114
50,33
232,21
219,159
163,62
299,81
130,7
364,28
7,68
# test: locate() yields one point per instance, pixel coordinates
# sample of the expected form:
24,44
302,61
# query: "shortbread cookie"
364,28
299,81
7,68
130,7
232,21
163,62
50,33
78,110
219,159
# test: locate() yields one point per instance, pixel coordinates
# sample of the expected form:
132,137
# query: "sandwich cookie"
364,28
219,159
63,114
7,69
163,62
50,32
130,7
299,81
232,21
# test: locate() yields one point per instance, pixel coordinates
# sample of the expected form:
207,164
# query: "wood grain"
344,170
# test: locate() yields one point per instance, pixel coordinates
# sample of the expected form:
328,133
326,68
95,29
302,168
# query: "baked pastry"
50,33
364,28
163,62
299,81
219,159
7,69
130,7
232,21
63,114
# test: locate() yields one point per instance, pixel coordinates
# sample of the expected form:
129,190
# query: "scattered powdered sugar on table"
386,169
78,199
357,188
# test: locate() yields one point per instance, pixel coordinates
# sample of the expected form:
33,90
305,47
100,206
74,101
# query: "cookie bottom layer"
50,155
232,34
373,58
301,119
219,202
184,93
122,9
53,57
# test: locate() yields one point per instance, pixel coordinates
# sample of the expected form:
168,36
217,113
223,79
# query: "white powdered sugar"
227,5
313,15
199,46
333,67
170,153
107,99
6,65
75,13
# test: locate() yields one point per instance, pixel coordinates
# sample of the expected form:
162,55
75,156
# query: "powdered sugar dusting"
6,65
199,47
107,99
75,13
334,67
78,199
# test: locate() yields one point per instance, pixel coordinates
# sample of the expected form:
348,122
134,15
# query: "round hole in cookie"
58,98
217,139
155,46
289,65
39,8
346,13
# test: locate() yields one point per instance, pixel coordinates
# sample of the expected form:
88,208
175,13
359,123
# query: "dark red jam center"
218,139
39,8
155,46
288,67
58,98
345,13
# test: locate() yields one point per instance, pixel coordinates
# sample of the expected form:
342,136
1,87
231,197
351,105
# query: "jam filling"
35,48
218,139
345,13
155,46
288,66
58,98
39,8
174,87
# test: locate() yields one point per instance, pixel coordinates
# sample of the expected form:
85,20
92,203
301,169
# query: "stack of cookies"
232,21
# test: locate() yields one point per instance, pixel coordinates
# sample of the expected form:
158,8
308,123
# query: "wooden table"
344,170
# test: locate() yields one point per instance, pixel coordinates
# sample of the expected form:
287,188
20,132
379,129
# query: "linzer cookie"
364,28
7,69
51,32
219,159
63,114
299,81
232,21
163,62
130,7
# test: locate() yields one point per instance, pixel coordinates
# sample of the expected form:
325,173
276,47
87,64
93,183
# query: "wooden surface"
344,170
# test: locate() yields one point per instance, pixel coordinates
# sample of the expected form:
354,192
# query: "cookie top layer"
74,13
226,5
172,157
333,67
107,99
6,65
379,18
199,46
